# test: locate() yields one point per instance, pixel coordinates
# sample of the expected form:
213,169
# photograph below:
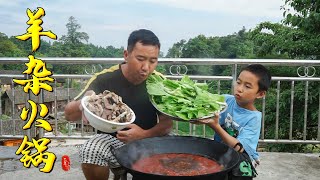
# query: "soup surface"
177,164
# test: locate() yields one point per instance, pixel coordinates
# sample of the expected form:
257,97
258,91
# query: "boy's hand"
256,163
213,121
202,121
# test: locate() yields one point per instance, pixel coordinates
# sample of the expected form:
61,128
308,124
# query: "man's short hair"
144,36
262,73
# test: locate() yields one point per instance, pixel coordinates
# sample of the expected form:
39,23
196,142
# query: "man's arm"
135,132
72,111
162,128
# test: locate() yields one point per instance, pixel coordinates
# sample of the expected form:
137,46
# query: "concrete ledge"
287,166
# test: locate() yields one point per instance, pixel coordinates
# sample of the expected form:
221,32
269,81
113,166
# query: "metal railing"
306,71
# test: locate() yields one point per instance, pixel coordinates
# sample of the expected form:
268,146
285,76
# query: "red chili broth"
177,164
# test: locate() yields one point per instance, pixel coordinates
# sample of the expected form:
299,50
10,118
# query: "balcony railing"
305,75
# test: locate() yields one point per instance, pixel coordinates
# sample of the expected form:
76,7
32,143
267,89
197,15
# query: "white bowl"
101,124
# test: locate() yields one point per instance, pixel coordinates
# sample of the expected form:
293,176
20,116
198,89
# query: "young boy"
239,126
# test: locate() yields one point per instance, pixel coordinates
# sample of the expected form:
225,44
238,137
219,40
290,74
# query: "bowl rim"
83,101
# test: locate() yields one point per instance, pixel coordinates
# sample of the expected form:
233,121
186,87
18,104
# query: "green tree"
297,36
8,48
201,47
176,50
305,15
73,35
236,45
70,45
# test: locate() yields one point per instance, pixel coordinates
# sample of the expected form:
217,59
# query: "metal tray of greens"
184,100
176,118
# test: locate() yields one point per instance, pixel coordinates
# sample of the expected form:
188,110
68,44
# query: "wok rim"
222,172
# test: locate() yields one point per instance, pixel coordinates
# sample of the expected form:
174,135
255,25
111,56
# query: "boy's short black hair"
262,73
146,37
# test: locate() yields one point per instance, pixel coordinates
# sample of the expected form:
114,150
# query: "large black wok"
127,155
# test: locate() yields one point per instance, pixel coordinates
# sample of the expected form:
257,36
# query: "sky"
110,22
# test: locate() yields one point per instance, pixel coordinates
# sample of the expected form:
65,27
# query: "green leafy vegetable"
184,99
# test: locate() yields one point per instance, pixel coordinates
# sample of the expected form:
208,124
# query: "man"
127,80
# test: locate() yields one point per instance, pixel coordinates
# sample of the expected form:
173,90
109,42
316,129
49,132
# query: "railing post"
41,100
68,94
263,117
305,111
55,109
277,111
13,109
291,110
319,117
1,110
234,76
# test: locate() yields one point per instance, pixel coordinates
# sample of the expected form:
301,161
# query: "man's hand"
89,93
132,133
73,110
84,119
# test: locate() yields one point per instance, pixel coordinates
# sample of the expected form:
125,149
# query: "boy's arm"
226,138
247,139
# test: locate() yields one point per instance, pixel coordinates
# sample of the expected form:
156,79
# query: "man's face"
246,89
141,62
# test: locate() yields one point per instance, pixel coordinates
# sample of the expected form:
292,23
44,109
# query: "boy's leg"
244,170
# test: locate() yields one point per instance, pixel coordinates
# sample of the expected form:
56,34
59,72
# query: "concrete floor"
274,166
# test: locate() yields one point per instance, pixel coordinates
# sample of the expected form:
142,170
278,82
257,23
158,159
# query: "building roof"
21,97
8,80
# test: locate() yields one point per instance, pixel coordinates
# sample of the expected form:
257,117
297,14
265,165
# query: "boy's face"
246,90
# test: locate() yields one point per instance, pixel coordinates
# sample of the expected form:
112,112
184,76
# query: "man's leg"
96,157
95,172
